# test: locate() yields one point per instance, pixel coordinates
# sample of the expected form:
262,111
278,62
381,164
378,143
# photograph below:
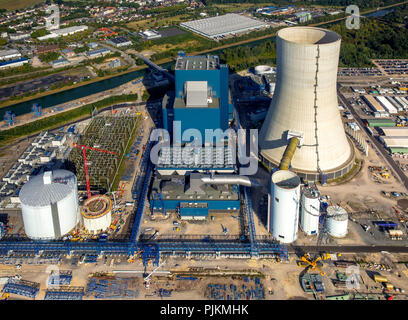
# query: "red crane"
83,148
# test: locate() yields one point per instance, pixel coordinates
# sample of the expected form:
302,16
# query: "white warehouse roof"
38,192
395,142
223,25
395,131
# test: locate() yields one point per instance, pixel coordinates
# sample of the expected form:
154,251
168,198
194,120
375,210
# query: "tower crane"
83,148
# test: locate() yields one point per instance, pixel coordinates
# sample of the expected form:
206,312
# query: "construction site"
323,217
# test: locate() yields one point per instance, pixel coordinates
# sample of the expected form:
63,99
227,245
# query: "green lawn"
17,4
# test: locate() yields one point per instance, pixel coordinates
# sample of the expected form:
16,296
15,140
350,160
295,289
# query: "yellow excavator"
311,264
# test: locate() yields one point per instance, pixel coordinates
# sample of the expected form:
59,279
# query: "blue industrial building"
201,101
201,97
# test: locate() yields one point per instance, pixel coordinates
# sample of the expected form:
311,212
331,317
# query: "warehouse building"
225,25
377,108
394,142
150,34
13,63
63,32
19,36
59,63
97,53
395,131
387,104
9,54
119,42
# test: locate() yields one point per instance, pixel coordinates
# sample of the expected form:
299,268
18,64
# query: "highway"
378,146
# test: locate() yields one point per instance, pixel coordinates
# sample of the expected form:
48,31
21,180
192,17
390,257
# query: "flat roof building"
394,142
119,42
9,54
150,34
13,63
220,26
97,52
63,32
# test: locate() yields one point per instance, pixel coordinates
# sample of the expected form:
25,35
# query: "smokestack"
305,101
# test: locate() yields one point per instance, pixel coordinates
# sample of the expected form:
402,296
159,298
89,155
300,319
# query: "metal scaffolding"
152,250
110,133
21,287
65,293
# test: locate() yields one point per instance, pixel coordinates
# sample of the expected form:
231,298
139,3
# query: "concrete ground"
280,280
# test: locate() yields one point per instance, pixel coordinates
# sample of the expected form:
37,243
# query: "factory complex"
185,178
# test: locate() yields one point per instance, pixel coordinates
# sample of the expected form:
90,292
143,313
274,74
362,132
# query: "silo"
310,211
305,102
49,204
97,213
284,206
336,221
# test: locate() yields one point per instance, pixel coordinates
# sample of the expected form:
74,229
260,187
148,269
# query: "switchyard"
111,133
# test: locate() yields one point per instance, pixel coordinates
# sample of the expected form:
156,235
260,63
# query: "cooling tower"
305,103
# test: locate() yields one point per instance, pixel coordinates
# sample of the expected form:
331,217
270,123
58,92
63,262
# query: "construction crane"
121,190
147,278
311,264
83,148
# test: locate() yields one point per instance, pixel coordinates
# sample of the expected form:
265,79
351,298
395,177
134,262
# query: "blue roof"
5,63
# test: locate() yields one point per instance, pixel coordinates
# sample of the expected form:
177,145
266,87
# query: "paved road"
379,147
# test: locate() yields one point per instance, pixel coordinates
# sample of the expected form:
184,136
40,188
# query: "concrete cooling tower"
305,106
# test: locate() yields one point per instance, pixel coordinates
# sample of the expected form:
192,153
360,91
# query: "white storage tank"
261,70
336,221
97,213
284,206
49,204
310,211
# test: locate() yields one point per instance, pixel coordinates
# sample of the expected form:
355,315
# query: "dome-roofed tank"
337,221
49,204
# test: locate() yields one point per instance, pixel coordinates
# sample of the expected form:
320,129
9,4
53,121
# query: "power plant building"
198,179
305,106
201,98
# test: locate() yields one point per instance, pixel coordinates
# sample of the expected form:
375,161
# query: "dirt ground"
280,280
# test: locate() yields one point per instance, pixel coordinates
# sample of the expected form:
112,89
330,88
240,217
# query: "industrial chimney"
304,106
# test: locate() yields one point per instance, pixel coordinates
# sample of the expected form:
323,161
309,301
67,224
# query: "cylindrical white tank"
336,221
261,70
310,211
284,206
305,101
97,213
49,204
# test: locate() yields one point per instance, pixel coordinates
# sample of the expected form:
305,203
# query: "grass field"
17,4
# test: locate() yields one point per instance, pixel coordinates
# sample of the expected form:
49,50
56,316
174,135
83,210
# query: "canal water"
92,88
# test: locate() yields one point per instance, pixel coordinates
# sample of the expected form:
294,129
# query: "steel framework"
152,250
